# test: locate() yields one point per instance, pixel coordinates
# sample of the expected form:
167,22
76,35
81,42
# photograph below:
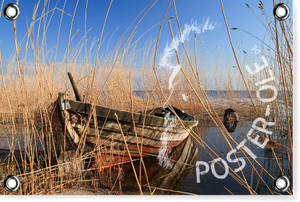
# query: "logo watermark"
260,124
164,153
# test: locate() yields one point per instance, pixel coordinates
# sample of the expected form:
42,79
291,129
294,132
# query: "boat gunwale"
160,121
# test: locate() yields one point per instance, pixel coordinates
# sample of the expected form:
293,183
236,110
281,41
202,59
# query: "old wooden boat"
121,132
144,133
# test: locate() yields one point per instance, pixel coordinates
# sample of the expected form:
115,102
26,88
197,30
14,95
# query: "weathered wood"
65,163
76,91
152,130
124,116
75,137
65,123
182,159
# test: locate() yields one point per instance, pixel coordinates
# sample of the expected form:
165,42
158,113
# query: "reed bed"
28,91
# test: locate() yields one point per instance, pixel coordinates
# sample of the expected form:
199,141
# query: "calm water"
183,178
211,185
223,93
212,94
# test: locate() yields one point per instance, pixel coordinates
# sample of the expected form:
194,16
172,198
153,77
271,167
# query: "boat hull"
116,131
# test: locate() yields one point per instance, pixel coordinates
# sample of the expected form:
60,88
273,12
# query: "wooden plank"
61,115
127,117
75,137
156,136
76,91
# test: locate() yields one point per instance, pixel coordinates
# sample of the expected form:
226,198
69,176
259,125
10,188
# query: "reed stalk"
128,152
28,93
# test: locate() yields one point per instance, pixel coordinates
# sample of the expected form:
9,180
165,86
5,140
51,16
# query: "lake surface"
211,185
223,93
183,177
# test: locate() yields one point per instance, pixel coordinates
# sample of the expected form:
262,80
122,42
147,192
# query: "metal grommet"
281,183
11,11
11,183
281,11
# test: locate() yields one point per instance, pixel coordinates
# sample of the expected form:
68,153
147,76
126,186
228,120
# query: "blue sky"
121,15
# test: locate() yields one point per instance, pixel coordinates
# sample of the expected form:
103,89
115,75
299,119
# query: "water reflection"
210,185
182,176
159,179
231,126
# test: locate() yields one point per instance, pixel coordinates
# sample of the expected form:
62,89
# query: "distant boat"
145,132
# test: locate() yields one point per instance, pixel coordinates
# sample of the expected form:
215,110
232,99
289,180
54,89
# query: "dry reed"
28,92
